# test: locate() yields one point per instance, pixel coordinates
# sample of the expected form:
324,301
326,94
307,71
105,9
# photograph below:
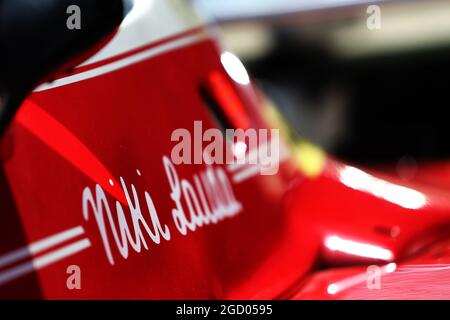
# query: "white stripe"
251,158
141,56
247,173
39,246
232,167
43,261
250,170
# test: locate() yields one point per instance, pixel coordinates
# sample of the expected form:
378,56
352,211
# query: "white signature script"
209,199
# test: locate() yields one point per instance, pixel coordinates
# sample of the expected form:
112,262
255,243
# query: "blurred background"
365,80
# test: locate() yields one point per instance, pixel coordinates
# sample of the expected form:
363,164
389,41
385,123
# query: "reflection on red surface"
405,197
228,100
335,243
51,132
424,277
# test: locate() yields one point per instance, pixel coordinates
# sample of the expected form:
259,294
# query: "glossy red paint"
421,277
118,125
44,127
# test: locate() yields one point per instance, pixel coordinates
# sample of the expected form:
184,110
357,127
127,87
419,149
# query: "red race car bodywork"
88,184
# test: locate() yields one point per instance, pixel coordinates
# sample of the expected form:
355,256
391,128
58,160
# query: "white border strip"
43,261
138,57
39,246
